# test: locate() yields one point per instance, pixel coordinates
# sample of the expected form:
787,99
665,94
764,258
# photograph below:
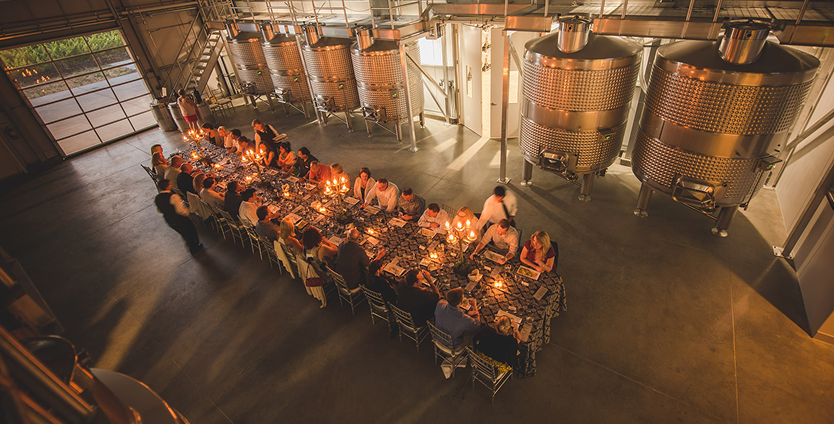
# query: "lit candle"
370,230
460,226
448,225
472,235
433,255
498,283
468,224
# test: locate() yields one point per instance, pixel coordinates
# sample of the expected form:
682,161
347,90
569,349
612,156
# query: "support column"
447,86
526,173
725,216
505,100
587,185
643,201
408,107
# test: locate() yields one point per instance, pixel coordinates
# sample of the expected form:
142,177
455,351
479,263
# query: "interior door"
497,80
470,78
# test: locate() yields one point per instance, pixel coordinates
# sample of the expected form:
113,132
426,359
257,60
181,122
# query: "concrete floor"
666,323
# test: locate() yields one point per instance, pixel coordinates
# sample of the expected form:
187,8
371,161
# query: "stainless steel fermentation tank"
250,64
380,82
331,74
717,113
283,58
577,90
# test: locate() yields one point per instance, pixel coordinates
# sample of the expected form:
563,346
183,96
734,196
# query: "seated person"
156,148
233,199
159,163
267,153
211,197
434,218
302,162
286,157
503,236
338,174
288,236
249,207
239,143
499,341
450,319
363,184
417,300
385,194
226,136
265,227
352,261
379,283
319,172
411,206
173,171
315,245
467,219
212,135
185,181
539,253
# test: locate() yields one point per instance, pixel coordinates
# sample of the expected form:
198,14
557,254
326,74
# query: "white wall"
812,256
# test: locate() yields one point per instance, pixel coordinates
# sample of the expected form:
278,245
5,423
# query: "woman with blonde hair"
463,216
337,172
199,177
159,163
539,253
288,236
499,341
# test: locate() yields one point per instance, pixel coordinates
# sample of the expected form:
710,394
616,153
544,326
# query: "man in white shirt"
173,171
503,236
176,215
211,197
249,207
501,205
386,194
434,218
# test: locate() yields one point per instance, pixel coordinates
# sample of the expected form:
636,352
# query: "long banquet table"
532,301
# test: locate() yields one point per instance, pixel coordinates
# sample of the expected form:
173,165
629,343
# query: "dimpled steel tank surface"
717,113
379,76
331,73
248,57
577,89
285,68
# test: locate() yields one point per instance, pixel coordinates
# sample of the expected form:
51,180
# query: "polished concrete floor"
666,323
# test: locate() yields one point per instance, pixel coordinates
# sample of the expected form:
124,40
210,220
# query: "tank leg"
398,128
643,201
526,173
347,120
587,185
725,216
286,109
370,127
304,108
422,120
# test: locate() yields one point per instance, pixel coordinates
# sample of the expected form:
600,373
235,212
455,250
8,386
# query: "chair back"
340,282
282,256
404,318
482,366
182,196
449,210
227,216
196,206
375,300
441,338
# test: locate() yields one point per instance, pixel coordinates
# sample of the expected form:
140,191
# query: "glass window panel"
142,121
122,74
114,130
114,57
57,111
77,66
20,57
137,105
105,40
60,49
47,93
68,127
31,75
106,116
87,83
97,99
79,142
130,90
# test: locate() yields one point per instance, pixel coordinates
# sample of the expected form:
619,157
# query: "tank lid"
311,33
246,37
273,37
573,33
743,40
364,38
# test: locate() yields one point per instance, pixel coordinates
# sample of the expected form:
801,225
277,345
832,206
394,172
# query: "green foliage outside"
25,56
